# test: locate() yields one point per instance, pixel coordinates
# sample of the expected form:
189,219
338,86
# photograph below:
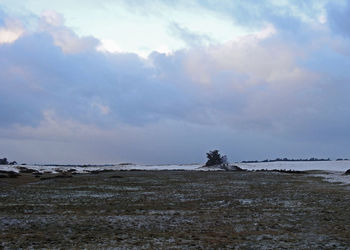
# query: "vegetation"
214,158
286,159
4,161
220,210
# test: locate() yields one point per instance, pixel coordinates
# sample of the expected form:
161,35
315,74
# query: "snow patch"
333,170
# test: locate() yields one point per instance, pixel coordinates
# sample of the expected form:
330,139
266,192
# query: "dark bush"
214,158
4,161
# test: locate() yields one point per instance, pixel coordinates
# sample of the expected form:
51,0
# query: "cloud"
254,96
65,38
11,31
61,141
245,89
109,46
338,16
38,73
192,39
57,140
233,83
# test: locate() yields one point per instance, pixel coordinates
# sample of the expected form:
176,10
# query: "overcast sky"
166,81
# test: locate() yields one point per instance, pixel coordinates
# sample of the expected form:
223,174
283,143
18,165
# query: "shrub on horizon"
4,161
214,158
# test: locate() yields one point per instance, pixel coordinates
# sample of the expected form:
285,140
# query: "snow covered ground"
334,170
340,166
87,169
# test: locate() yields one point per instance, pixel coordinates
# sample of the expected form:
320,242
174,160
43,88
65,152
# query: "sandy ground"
174,209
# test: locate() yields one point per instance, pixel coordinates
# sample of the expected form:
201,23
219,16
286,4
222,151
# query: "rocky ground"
174,209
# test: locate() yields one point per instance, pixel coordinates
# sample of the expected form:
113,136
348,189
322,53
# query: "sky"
161,82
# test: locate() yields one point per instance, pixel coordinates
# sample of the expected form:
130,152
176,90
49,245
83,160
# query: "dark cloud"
252,98
206,86
38,76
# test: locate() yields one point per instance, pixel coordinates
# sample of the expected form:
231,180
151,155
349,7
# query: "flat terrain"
175,209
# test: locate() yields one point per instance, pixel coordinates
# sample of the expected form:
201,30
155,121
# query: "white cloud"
268,31
322,19
53,23
11,31
52,18
261,73
265,62
108,45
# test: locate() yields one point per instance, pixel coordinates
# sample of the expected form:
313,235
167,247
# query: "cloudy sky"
165,81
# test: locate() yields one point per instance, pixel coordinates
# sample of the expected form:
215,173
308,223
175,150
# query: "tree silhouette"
214,158
4,161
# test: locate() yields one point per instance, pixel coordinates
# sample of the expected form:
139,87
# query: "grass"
174,209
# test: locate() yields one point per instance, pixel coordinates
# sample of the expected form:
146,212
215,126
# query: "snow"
158,167
337,166
8,168
340,166
333,170
335,177
87,169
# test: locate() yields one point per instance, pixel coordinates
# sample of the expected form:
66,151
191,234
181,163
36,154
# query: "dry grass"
174,209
